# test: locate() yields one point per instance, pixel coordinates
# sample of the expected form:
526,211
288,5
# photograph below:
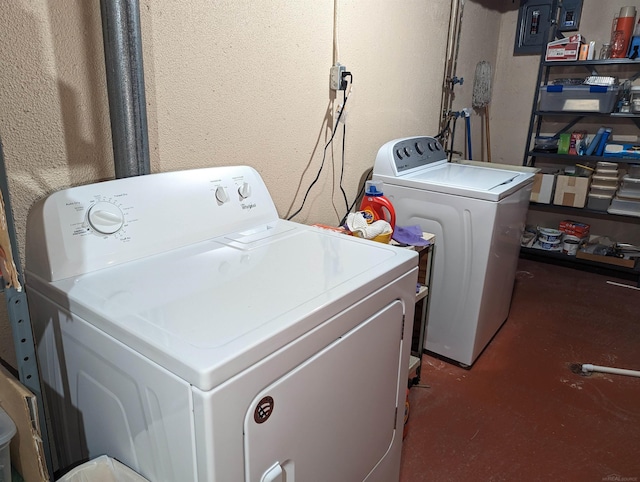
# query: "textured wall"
245,82
227,82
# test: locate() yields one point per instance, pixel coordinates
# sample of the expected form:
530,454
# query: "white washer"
478,215
185,330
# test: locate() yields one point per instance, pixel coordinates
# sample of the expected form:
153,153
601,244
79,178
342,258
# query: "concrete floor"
520,413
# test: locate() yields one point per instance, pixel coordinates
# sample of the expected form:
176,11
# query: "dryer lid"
207,311
476,182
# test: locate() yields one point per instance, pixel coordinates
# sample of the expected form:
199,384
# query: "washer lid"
210,310
478,182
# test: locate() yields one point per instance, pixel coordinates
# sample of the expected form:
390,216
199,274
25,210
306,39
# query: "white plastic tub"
625,207
102,469
604,181
7,431
603,190
598,202
631,184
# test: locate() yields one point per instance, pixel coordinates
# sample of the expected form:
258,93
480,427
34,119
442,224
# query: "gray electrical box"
534,20
570,12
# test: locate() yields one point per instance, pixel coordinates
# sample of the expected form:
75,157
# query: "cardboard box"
627,263
571,191
574,228
27,452
543,185
567,48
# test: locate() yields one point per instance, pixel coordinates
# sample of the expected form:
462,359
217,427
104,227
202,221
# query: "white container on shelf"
604,181
606,166
603,190
599,202
625,207
634,171
630,184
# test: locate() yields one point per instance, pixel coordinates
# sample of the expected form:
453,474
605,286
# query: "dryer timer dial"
105,217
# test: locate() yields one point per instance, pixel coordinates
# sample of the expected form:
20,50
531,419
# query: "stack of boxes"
627,198
604,184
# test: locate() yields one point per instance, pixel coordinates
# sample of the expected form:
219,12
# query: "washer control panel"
98,225
416,152
401,156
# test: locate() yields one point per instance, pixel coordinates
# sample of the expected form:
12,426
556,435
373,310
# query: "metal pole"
125,86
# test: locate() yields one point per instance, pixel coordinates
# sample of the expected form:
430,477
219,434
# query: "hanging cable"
344,136
324,151
358,196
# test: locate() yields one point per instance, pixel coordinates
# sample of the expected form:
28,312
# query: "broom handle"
486,123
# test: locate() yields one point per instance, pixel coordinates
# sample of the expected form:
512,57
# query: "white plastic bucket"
570,245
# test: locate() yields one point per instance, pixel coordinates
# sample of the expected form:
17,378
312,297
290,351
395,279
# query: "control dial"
105,218
244,190
221,195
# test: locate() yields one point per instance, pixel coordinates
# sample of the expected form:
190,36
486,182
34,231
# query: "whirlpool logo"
248,206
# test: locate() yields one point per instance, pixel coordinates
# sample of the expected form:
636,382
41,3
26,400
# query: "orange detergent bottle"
375,206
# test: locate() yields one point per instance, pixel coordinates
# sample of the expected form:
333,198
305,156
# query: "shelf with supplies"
624,272
584,136
421,313
579,212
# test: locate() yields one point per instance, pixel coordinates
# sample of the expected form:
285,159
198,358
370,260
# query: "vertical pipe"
125,86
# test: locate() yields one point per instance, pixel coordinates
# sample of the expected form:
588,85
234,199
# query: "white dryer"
185,330
478,215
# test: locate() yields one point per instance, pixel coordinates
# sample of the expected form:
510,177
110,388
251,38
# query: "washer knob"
407,151
244,190
221,195
105,218
419,148
399,153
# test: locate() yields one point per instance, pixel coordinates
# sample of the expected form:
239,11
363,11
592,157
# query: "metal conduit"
125,86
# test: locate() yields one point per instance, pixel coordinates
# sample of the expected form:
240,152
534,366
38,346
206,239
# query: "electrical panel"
534,20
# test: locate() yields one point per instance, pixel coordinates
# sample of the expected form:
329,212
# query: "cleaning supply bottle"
375,206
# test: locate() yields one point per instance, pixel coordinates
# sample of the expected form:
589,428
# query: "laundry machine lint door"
333,417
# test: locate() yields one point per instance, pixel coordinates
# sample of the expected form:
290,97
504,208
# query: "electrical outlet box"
336,82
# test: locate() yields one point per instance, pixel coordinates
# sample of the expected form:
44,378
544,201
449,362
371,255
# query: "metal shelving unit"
18,312
562,122
421,314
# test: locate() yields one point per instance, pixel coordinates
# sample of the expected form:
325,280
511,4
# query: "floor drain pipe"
125,86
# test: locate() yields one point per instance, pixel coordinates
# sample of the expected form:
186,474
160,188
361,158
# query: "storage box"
609,191
542,191
630,184
634,171
624,151
575,228
599,202
578,98
566,48
626,207
571,191
627,263
601,181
